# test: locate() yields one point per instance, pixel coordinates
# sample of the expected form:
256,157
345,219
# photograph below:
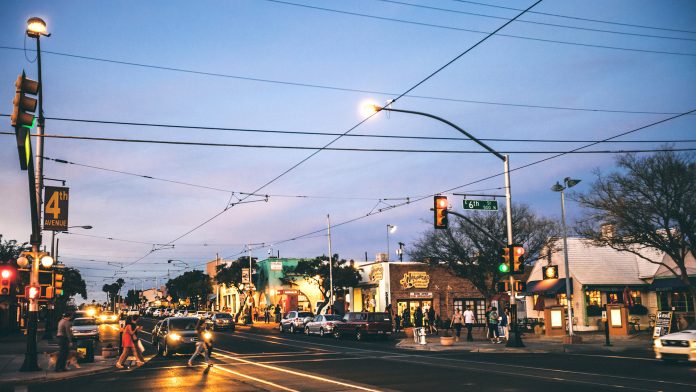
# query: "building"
409,285
270,290
672,293
154,296
598,276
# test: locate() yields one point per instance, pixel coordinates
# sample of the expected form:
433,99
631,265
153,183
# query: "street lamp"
517,340
390,229
178,261
569,183
54,244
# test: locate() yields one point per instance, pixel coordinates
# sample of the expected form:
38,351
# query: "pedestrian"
493,325
407,317
65,336
431,321
485,321
397,323
418,317
204,344
457,320
266,315
469,321
139,348
504,324
127,344
277,313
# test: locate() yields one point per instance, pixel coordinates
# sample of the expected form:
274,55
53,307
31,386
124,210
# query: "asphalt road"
268,360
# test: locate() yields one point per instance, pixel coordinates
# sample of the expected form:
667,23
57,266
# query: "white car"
677,346
85,328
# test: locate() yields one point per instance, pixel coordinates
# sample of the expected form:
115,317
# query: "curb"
44,378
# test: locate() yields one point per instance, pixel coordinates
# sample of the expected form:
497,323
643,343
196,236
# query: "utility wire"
478,31
578,18
343,149
337,88
537,23
354,135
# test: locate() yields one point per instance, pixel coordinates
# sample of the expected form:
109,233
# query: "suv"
295,321
175,335
364,324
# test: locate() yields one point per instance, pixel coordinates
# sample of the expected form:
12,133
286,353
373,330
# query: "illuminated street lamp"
390,229
569,183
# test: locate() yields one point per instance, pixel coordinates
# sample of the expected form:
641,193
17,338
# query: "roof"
600,265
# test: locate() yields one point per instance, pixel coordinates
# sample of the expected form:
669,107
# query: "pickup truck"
364,324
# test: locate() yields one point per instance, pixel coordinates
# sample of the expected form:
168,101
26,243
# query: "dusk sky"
309,66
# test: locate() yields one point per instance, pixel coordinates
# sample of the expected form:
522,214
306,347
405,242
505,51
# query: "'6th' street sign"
487,205
56,208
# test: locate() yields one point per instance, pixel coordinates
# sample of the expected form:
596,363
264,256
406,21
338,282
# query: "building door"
412,305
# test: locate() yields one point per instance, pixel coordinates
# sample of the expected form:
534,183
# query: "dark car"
364,324
322,324
175,335
221,321
295,321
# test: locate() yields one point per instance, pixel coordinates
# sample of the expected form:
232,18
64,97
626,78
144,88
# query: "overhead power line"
479,31
538,23
343,149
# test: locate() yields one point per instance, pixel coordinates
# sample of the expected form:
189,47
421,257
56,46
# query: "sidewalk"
640,344
12,357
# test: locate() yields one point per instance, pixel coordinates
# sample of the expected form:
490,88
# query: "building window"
561,298
614,298
478,306
593,297
636,297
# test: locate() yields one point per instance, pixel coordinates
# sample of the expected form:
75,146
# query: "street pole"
567,270
388,226
515,339
328,222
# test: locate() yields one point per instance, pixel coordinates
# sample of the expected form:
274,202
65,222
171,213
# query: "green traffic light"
504,268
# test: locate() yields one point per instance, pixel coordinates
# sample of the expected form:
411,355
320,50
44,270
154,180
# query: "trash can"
85,350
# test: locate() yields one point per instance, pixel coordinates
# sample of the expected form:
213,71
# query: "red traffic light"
6,273
440,209
32,292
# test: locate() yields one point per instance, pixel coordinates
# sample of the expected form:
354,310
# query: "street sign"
56,208
245,275
486,205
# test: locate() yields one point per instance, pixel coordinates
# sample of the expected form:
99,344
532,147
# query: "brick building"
412,284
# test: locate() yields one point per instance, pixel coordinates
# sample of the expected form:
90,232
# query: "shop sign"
377,273
663,322
276,265
420,294
415,279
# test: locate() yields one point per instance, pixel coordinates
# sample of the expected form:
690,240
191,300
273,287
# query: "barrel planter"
447,340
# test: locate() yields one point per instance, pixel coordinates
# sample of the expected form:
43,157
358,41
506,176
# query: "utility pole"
328,222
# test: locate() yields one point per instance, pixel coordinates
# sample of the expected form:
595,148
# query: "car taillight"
330,324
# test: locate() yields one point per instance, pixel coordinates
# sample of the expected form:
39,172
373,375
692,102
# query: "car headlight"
658,343
102,317
207,335
692,344
174,336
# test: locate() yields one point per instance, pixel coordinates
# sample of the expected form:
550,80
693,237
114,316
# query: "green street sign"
486,205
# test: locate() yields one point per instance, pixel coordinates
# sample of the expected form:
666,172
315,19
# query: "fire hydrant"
421,336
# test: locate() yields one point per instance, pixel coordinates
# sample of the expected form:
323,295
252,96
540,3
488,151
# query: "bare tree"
649,203
471,254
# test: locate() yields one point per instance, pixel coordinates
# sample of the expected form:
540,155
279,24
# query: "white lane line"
616,357
254,379
298,373
267,355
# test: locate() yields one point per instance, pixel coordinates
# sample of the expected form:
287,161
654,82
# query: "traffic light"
6,277
22,118
440,208
32,292
518,259
504,266
550,272
505,286
58,284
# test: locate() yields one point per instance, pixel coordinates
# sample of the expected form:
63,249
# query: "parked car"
108,317
364,324
677,346
157,313
175,335
85,328
221,321
322,324
295,321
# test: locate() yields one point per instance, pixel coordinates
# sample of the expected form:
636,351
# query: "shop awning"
669,284
548,286
615,287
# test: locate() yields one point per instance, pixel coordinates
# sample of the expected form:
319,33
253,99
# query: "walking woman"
139,348
127,344
457,321
204,344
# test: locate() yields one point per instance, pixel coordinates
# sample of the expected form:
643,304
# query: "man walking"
493,325
469,321
64,338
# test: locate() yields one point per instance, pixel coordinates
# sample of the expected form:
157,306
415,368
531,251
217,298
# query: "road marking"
616,357
298,373
254,378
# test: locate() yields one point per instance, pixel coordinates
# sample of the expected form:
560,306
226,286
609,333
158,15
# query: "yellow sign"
377,273
415,279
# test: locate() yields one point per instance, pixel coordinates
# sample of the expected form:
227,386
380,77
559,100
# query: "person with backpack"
493,325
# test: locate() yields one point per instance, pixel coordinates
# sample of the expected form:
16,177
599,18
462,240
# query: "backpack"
493,317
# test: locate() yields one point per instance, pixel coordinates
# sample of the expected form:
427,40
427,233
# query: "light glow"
368,108
174,336
6,274
36,26
47,261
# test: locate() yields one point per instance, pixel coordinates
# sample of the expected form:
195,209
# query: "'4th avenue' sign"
56,208
488,205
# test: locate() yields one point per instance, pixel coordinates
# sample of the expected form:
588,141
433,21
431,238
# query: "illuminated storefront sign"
415,279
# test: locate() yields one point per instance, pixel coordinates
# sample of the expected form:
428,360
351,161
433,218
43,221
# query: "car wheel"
321,332
292,328
306,331
359,335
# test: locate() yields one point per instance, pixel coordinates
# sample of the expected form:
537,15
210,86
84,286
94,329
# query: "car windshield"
183,324
84,321
305,314
378,317
332,317
223,315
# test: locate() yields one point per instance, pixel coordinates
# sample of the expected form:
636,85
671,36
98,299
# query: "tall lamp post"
390,229
516,340
568,183
36,27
